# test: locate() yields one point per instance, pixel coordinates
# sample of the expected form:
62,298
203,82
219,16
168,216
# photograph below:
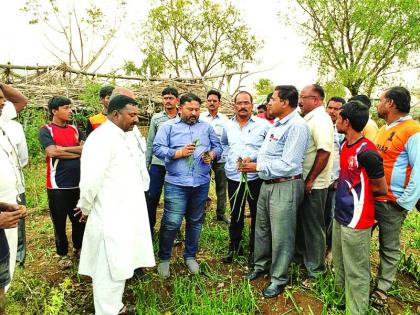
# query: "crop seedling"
243,179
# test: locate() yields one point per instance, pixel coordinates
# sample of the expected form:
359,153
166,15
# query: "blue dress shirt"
283,150
241,143
174,135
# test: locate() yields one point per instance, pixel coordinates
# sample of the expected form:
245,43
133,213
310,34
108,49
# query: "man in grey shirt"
156,166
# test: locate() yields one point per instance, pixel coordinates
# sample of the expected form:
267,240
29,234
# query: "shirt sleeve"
215,144
45,137
411,193
82,135
161,144
22,147
150,138
324,136
372,163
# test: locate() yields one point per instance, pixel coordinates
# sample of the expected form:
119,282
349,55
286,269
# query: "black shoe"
140,275
222,218
272,290
255,274
228,259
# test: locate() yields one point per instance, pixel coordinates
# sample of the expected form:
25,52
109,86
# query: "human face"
127,117
190,112
308,100
169,101
2,100
105,101
341,124
333,109
276,106
63,113
383,106
261,110
243,105
213,103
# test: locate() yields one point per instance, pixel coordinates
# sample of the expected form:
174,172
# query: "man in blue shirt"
241,139
280,166
187,146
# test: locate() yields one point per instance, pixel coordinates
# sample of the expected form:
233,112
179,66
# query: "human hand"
248,167
188,150
9,220
208,157
79,213
308,186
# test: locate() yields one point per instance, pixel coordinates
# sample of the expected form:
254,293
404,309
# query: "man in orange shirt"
398,143
98,119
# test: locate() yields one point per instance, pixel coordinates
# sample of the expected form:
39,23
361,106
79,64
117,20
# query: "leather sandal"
379,298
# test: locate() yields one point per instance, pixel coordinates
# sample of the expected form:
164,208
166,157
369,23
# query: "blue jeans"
182,201
157,178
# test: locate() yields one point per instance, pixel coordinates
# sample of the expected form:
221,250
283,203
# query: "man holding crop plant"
187,146
279,165
242,137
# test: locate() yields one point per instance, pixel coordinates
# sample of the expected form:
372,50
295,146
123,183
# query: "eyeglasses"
305,97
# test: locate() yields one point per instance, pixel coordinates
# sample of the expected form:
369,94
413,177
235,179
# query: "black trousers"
238,214
62,203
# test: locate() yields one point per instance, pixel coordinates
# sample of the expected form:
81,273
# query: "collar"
314,112
114,127
285,119
401,119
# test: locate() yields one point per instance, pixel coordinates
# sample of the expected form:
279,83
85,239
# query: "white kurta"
111,193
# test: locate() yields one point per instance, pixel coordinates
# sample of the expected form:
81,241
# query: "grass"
42,288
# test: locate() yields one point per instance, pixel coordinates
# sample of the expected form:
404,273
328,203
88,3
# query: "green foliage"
263,86
358,40
33,118
55,302
333,88
194,38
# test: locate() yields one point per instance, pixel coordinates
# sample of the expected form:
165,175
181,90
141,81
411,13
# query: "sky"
281,58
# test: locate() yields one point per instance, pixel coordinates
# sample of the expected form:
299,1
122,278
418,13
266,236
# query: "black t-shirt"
372,162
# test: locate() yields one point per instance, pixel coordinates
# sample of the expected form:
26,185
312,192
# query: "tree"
263,86
194,38
79,37
358,40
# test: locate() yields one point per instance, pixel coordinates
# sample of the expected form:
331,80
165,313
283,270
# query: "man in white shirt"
317,167
218,121
117,237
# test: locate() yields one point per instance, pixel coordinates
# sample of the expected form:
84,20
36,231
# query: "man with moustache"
188,146
218,121
241,140
155,165
398,143
117,240
317,166
279,165
333,108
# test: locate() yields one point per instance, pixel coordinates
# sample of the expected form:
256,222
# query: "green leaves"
357,40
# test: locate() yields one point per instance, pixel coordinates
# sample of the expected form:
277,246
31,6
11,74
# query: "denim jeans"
182,201
329,215
157,178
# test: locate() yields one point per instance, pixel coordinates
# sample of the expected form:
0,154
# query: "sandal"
128,309
65,262
308,283
379,298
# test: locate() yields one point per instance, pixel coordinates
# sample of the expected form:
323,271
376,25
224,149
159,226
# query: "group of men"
312,184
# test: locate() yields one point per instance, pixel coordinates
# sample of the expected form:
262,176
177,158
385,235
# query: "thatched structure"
39,84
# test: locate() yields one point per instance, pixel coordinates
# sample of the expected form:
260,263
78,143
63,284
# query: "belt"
282,179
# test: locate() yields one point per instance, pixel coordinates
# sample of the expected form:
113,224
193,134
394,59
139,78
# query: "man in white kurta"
117,237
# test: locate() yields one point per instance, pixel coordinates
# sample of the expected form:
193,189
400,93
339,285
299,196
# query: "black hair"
288,92
357,114
106,91
118,102
189,97
56,101
401,98
319,90
262,106
243,92
361,98
170,91
268,98
214,92
338,99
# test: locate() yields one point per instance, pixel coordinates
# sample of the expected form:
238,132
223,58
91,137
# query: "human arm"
10,214
216,149
54,151
22,147
372,162
411,192
149,142
14,96
321,161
